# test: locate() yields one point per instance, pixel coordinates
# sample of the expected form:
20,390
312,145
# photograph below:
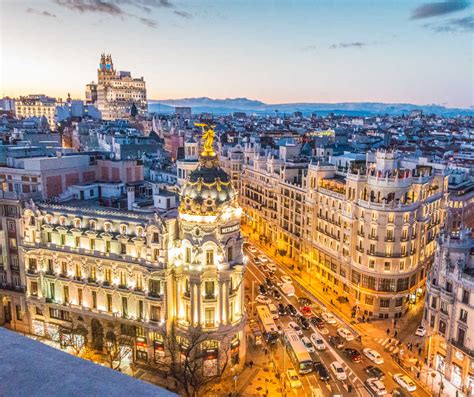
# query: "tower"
106,68
210,278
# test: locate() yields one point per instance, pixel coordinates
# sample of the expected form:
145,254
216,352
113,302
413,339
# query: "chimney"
130,197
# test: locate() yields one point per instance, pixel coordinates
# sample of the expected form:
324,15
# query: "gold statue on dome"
208,134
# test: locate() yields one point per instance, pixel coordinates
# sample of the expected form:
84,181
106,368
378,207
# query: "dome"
207,188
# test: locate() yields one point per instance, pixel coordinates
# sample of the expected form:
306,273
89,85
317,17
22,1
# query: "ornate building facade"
139,272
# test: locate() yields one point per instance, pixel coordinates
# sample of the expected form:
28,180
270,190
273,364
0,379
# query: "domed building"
210,266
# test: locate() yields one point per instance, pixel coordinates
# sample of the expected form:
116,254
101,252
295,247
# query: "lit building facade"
38,106
140,272
367,230
449,310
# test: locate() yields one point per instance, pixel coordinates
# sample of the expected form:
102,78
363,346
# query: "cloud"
38,12
99,6
310,47
354,44
455,25
148,22
435,9
183,14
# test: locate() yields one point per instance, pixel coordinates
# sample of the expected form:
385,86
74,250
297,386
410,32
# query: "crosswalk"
389,344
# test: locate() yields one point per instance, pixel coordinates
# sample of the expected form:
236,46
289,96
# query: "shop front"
141,349
37,327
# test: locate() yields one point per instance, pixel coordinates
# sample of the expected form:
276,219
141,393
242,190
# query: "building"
38,106
449,312
366,229
140,270
116,92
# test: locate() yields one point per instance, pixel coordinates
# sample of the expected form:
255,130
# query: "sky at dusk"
275,51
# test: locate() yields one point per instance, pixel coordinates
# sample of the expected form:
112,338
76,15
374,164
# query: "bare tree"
116,348
185,357
73,337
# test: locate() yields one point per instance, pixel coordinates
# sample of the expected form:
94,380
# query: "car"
271,266
336,341
293,378
262,290
399,392
306,310
262,258
295,327
304,301
345,333
376,386
316,321
252,249
291,310
286,279
420,331
328,317
269,283
318,342
338,370
263,299
304,323
353,354
374,372
273,311
276,295
282,309
322,371
373,355
405,382
307,343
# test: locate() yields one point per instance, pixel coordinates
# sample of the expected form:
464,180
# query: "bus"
269,329
298,353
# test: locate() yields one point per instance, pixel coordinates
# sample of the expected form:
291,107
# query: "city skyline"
269,51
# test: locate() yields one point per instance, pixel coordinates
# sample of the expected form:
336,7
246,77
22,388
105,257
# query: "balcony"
11,287
210,297
32,271
389,239
360,233
91,280
373,237
154,295
459,345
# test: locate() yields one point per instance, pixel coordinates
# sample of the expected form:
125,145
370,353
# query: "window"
209,257
384,302
386,266
372,249
449,286
156,237
188,255
465,296
79,296
66,294
209,289
12,242
39,311
434,302
442,327
230,254
34,288
78,271
154,288
123,279
140,310
139,282
52,291
19,314
391,217
461,336
402,265
108,275
209,317
123,248
155,313
107,245
94,299
398,302
371,264
369,300
402,284
406,217
463,316
109,303
92,244
93,273
124,306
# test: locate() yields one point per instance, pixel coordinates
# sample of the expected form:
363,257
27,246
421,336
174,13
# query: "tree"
97,335
73,337
116,348
185,357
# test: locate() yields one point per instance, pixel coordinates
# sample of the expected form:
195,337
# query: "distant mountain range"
230,105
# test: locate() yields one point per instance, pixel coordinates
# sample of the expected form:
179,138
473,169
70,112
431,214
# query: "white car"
252,249
329,318
263,299
376,386
295,327
262,258
405,381
318,342
271,266
345,333
286,279
293,378
336,367
420,331
307,343
373,355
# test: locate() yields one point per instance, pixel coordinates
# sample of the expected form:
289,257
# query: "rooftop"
35,369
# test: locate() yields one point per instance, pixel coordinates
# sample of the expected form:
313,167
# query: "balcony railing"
460,346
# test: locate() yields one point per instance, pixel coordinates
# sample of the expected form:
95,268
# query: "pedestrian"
251,363
395,323
396,333
388,331
419,351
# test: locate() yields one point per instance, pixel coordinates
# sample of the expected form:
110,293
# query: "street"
356,374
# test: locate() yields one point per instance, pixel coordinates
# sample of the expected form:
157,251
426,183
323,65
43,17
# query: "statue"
207,138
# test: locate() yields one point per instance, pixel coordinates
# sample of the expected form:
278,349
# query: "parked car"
328,317
262,290
263,299
281,309
269,283
306,310
316,321
286,279
376,386
293,378
295,327
322,371
262,258
303,321
345,333
373,355
353,354
420,331
252,249
399,392
271,266
291,310
405,382
307,343
375,372
276,294
304,301
273,311
338,370
318,342
336,341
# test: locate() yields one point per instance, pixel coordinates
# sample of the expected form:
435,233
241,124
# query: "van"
273,311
